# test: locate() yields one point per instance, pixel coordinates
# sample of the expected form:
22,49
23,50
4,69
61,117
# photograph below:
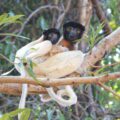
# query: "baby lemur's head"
52,34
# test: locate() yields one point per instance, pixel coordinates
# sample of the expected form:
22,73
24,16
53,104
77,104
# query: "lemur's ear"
75,25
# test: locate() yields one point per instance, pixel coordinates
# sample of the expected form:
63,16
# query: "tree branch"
86,10
101,16
16,89
98,51
62,16
61,81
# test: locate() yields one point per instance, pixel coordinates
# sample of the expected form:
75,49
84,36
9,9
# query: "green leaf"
6,19
3,16
61,116
94,35
25,114
14,113
9,116
30,69
5,118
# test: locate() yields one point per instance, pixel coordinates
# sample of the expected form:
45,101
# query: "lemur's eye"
50,35
78,31
69,29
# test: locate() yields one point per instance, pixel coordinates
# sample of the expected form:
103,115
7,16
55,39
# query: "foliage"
7,48
25,114
5,19
94,36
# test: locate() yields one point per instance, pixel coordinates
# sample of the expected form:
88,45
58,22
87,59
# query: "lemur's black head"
72,31
52,34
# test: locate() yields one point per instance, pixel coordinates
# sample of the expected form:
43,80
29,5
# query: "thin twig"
62,16
36,12
4,57
108,89
108,65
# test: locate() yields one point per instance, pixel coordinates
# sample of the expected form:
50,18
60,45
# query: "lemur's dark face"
52,34
72,31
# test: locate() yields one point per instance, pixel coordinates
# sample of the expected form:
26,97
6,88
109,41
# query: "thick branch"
86,10
105,45
61,81
15,89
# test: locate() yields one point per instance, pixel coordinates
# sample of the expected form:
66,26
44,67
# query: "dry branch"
12,84
16,89
60,81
